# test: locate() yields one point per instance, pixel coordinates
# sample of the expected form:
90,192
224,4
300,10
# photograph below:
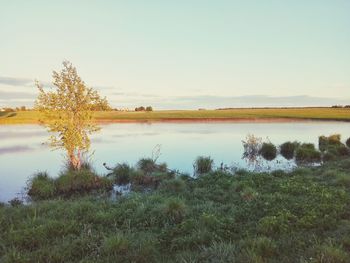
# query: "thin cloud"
135,94
16,95
15,81
214,102
260,101
22,82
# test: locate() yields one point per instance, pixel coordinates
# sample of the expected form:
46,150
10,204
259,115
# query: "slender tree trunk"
79,159
74,161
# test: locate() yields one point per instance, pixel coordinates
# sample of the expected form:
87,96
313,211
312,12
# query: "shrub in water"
307,153
252,146
148,166
268,151
334,139
348,142
15,202
324,142
287,149
338,150
122,173
41,186
203,165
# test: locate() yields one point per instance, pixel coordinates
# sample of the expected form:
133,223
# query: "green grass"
301,216
68,183
166,115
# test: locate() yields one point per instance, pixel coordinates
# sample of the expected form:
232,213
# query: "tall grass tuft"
69,182
175,210
149,166
41,186
333,140
268,151
307,153
348,142
203,165
122,173
287,149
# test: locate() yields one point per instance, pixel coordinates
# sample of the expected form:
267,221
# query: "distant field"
197,115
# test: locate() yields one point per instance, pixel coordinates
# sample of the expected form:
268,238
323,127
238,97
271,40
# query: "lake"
23,150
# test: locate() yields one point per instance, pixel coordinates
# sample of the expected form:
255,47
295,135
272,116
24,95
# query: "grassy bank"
232,114
302,216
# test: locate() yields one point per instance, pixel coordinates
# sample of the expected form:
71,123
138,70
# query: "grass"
145,174
203,165
300,216
287,149
68,183
307,153
166,115
268,151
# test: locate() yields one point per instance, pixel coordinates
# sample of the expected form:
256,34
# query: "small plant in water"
331,141
287,149
203,165
121,173
41,186
252,146
348,142
307,153
268,151
15,202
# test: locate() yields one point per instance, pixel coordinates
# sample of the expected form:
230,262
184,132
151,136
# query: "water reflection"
22,152
15,149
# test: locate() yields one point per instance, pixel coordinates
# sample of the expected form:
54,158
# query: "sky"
183,54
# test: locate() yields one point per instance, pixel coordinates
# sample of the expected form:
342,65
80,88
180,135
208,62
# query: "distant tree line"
341,106
9,109
142,108
101,105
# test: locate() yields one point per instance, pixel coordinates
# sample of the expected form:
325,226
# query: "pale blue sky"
181,54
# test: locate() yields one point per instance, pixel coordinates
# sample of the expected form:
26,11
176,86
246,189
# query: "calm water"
22,151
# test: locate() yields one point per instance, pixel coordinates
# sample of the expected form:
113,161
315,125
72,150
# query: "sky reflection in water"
23,153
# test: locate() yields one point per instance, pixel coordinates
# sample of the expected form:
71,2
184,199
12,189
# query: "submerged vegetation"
307,153
268,151
329,148
287,149
203,165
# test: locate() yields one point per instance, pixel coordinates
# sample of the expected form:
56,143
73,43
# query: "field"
342,114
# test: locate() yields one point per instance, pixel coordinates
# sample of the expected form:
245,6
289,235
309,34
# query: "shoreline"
218,120
277,115
195,120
